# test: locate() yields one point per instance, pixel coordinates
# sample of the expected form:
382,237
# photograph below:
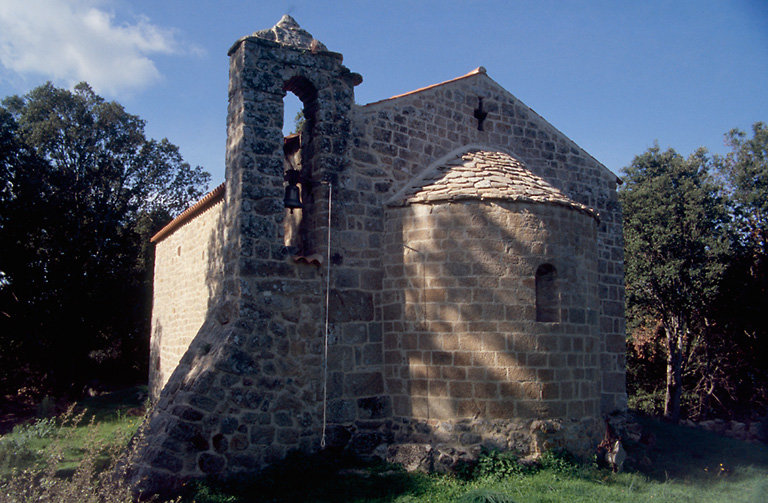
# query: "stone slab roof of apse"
484,175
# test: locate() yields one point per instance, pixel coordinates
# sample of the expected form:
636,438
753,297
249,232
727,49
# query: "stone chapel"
413,279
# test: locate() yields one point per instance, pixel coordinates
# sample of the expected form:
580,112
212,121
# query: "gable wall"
395,140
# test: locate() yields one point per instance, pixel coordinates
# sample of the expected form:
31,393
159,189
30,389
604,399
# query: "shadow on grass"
695,455
107,406
687,455
323,477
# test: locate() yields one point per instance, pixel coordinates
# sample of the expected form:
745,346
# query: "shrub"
560,461
650,403
501,464
16,448
91,481
14,452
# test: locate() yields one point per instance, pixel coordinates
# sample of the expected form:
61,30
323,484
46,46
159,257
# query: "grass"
108,420
542,486
682,465
695,455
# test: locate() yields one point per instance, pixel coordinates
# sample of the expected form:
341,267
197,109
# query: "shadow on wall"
234,246
210,265
210,413
465,337
155,369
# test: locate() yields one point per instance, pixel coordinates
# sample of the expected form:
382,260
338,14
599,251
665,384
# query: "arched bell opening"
297,148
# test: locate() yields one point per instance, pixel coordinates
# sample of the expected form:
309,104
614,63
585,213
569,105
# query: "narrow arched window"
547,295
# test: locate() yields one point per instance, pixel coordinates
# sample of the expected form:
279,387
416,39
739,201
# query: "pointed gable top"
481,73
483,175
288,32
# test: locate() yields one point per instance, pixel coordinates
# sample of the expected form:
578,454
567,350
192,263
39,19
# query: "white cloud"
74,40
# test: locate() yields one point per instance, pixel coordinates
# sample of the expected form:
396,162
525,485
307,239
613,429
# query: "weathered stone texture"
186,281
439,122
461,338
476,282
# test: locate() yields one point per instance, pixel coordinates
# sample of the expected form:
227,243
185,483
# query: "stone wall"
414,292
749,431
461,340
249,388
187,267
395,140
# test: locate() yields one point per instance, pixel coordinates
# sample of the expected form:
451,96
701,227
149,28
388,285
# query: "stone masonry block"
501,409
486,390
363,384
459,389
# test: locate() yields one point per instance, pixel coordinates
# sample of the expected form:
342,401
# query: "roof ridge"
477,71
200,206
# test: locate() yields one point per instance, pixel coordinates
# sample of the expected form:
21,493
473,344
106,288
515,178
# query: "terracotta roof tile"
203,204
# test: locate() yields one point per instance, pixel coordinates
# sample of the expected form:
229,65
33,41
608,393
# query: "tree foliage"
299,121
695,273
739,314
745,171
81,191
673,231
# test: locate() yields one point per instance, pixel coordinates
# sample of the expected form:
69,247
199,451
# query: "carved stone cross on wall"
480,114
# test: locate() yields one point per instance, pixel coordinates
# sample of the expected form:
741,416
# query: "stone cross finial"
288,32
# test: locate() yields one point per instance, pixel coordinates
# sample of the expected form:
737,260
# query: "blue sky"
614,76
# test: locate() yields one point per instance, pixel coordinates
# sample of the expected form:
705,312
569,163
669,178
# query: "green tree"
740,309
81,191
745,171
299,121
674,241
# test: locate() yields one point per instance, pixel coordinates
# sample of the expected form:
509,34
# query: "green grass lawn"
106,422
683,465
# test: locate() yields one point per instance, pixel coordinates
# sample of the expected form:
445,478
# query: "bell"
292,197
